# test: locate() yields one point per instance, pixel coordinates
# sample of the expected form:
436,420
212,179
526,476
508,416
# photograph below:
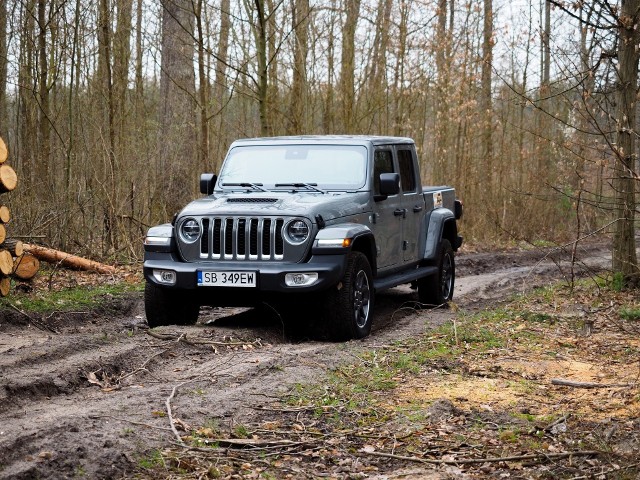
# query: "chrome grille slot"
241,233
241,238
228,238
204,241
216,247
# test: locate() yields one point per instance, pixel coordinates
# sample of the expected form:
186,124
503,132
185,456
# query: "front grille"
242,238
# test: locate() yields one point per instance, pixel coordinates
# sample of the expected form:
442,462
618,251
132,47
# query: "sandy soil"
88,399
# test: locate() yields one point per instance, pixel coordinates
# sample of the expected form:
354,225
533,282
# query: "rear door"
412,201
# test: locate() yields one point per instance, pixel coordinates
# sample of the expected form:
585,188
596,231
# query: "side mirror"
389,184
207,183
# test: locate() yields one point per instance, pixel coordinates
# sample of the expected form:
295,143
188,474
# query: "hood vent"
251,200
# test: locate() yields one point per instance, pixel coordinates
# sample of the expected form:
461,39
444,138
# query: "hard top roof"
326,140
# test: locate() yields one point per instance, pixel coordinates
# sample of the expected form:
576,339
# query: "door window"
407,171
382,163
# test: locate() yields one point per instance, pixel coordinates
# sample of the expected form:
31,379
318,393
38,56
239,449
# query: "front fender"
339,238
435,224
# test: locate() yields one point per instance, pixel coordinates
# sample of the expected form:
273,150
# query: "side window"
382,163
407,172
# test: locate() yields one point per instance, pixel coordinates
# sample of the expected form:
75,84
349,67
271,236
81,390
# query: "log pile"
12,254
21,261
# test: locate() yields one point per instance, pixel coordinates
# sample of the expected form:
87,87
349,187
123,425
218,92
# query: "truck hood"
330,205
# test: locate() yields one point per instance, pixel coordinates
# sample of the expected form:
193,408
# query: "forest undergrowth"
545,386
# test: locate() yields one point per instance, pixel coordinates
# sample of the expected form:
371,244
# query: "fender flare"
435,230
355,231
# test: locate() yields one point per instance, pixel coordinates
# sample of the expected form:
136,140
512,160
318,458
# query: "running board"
380,284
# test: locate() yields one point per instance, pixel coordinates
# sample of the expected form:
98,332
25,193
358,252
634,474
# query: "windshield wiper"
255,186
310,186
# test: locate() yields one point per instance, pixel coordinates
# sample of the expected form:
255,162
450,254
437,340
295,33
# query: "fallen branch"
183,338
574,384
67,259
467,461
172,421
40,325
254,442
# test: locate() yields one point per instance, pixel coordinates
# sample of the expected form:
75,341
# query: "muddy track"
89,400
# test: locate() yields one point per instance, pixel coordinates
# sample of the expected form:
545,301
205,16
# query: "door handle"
417,208
400,212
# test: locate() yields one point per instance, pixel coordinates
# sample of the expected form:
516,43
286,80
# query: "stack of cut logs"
14,261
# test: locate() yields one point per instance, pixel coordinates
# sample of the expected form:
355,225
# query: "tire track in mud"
54,423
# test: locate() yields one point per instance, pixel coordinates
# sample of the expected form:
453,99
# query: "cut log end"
16,247
26,266
5,286
5,214
6,263
4,152
8,179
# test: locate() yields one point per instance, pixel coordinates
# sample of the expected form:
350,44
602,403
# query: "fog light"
166,277
300,279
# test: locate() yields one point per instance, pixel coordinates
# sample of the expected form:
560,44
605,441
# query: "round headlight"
190,230
297,231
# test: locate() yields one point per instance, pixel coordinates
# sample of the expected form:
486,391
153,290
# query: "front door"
387,221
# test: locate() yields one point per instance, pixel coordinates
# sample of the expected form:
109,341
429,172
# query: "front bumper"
270,275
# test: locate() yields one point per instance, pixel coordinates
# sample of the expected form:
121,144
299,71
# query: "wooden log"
25,267
4,152
5,286
5,214
16,247
3,233
67,259
6,263
8,178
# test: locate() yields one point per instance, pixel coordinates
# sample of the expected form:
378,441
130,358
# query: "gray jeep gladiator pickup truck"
316,224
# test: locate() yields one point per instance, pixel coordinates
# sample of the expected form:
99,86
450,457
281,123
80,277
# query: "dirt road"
88,398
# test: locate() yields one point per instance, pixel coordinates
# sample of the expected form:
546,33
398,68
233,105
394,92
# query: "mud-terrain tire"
348,311
167,307
437,289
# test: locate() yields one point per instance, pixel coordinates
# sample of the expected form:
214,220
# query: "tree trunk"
260,33
177,138
299,100
347,76
486,111
624,258
66,259
4,62
220,85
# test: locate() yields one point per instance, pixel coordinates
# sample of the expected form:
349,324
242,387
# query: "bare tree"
626,168
299,94
4,62
347,65
176,147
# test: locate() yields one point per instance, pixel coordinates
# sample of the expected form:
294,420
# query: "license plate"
226,279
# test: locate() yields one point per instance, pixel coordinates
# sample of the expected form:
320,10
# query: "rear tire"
163,306
437,289
349,306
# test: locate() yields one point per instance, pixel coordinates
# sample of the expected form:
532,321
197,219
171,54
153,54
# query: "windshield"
337,167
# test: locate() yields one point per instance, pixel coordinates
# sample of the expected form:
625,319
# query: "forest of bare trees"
112,109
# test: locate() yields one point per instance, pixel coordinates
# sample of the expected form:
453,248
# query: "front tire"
163,306
437,289
349,306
